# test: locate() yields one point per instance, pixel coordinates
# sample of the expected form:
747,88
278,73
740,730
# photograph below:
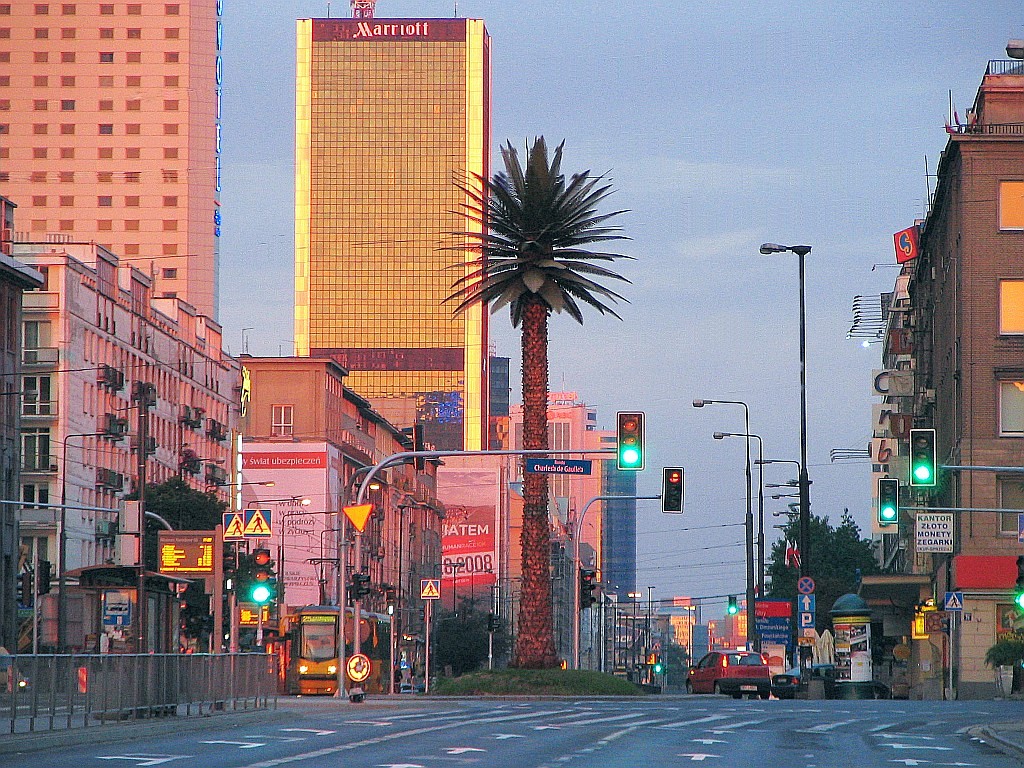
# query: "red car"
736,673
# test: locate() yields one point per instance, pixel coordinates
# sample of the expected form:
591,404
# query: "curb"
995,739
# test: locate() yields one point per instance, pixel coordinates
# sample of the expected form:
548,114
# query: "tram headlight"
332,669
303,669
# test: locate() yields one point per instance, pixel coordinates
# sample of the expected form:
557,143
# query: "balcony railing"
40,356
1005,67
33,407
36,463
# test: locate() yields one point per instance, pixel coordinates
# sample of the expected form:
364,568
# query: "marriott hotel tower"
391,115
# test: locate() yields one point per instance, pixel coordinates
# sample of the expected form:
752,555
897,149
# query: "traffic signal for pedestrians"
672,489
630,440
262,587
888,501
922,457
588,583
1018,594
731,607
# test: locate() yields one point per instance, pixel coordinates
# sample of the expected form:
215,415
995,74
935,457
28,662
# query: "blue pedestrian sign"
954,601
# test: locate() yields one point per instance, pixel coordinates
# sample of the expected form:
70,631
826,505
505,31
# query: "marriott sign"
416,29
398,30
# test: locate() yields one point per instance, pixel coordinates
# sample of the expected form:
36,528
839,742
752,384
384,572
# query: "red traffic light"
261,557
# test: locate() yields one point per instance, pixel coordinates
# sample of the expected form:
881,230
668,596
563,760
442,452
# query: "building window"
106,10
1011,496
39,129
35,449
131,225
67,153
105,201
106,57
36,396
133,105
133,81
170,81
170,129
68,33
66,177
1011,408
42,10
134,34
40,57
170,201
170,225
170,153
134,10
67,81
39,153
170,274
132,201
1011,306
106,153
106,81
133,129
38,201
67,57
40,81
282,420
68,10
132,177
42,34
134,57
1011,205
32,494
170,105
107,33
104,177
172,10
133,153
172,34
67,105
171,58
106,105
106,129
67,201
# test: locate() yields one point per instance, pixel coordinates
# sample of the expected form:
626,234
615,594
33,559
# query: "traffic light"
731,607
922,457
360,585
25,588
588,583
672,489
1018,595
389,598
262,587
44,573
493,622
630,440
888,501
657,667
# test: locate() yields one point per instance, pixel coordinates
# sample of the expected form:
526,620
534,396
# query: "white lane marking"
145,759
547,727
314,731
367,722
910,761
883,727
705,742
916,746
684,723
239,744
697,756
463,750
905,736
400,765
825,727
614,718
502,736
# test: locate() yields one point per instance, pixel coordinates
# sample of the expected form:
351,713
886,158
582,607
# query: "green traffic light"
1019,599
260,594
923,473
888,513
657,669
630,457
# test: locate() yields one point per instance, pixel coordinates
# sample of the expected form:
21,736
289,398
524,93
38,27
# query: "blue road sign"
806,620
805,603
805,586
1020,528
774,629
559,466
954,601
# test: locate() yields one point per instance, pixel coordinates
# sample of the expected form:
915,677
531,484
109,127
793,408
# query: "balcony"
32,408
40,356
35,463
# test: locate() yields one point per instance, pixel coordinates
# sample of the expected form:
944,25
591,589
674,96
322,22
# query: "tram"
309,663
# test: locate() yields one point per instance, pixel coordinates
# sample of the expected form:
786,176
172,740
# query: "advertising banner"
934,531
301,529
469,541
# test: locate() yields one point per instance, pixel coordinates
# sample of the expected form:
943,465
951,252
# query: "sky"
722,126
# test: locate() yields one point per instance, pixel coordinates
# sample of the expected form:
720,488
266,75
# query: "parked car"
786,685
736,673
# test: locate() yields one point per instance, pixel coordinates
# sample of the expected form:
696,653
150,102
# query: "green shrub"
535,682
1008,650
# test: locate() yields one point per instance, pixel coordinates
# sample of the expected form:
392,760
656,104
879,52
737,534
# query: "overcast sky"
723,125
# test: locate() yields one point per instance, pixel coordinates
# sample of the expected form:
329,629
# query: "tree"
839,557
183,507
530,255
460,640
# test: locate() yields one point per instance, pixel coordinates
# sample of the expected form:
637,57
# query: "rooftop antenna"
362,9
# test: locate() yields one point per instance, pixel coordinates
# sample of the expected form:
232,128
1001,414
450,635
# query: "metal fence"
39,692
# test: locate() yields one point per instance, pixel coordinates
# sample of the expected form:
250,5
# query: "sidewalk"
1007,737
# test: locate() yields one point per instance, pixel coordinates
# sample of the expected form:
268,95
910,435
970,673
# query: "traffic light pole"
577,532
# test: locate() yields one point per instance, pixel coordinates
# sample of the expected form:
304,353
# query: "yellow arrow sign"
358,515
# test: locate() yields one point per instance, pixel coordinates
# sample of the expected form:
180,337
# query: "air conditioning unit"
928,396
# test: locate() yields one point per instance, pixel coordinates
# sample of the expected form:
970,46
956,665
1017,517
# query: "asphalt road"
589,733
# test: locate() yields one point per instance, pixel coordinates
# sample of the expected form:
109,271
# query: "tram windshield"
318,638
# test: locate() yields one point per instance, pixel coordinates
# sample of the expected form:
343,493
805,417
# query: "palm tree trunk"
535,643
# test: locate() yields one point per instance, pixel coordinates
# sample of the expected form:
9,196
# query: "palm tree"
530,255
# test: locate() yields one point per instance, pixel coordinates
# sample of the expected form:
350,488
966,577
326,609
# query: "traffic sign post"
953,601
805,586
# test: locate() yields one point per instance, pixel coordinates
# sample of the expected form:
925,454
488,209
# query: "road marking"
905,736
547,727
825,727
705,742
683,723
367,722
463,750
239,744
910,761
697,756
400,765
314,731
883,727
144,759
501,736
629,716
916,746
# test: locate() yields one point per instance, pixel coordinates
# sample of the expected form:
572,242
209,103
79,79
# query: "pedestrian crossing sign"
234,527
430,589
257,523
954,601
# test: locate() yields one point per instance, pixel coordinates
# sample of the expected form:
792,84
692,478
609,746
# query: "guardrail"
43,692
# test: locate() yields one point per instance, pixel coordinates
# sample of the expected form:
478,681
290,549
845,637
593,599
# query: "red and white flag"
792,554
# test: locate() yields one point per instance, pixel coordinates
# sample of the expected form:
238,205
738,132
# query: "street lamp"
805,492
748,520
634,596
1015,49
760,503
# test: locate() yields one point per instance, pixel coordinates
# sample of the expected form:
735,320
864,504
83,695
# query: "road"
712,731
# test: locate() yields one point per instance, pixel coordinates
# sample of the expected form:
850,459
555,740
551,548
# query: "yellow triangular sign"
235,529
257,524
358,515
429,589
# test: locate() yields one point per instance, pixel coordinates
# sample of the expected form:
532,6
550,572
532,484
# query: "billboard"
469,532
302,525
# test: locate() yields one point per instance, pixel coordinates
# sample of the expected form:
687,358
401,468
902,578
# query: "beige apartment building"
110,133
92,335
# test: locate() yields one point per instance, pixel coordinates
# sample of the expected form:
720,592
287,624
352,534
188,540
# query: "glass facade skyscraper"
392,116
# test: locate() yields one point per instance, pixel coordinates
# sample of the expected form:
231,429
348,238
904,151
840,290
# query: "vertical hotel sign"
219,81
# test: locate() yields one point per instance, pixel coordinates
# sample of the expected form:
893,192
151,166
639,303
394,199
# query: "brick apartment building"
954,346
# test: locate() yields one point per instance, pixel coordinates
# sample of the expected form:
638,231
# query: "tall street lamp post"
805,492
759,461
748,521
634,596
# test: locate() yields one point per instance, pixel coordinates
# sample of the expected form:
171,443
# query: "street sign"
805,603
936,621
234,526
117,608
933,532
358,515
806,620
1020,528
805,586
559,466
358,667
257,524
430,589
954,601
